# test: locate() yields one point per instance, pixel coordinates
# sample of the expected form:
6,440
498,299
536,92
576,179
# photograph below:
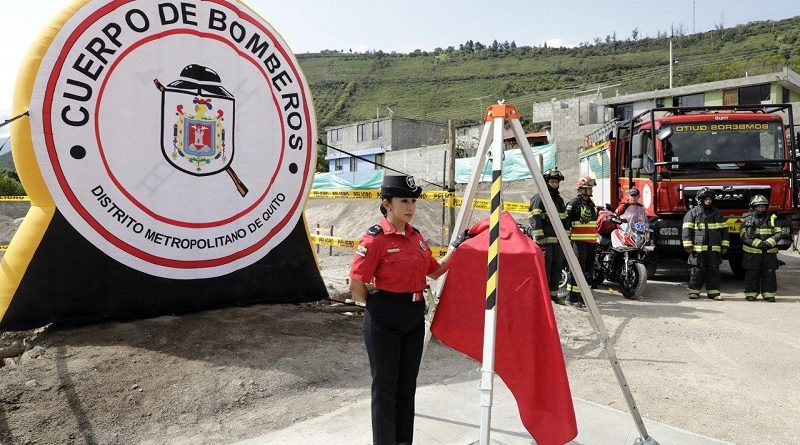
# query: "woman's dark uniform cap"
400,186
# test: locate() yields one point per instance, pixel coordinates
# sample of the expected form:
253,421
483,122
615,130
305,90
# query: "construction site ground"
722,369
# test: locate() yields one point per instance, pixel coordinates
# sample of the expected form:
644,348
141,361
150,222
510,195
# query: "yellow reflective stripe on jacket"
704,226
687,243
726,243
562,215
770,241
703,248
538,233
548,240
767,231
536,212
754,251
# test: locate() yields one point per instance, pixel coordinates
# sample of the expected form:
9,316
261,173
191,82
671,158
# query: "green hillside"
447,83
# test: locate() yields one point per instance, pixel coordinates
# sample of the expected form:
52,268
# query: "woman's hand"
359,290
443,265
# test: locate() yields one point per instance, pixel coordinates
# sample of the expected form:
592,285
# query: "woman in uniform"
396,257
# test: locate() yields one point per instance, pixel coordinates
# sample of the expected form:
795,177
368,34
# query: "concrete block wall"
423,162
409,134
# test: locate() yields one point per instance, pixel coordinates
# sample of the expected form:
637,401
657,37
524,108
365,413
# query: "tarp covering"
514,166
328,181
528,353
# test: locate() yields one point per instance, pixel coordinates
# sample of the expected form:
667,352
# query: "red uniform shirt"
398,262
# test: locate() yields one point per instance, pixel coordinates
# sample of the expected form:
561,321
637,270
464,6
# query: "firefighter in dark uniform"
395,257
760,239
545,236
582,215
705,239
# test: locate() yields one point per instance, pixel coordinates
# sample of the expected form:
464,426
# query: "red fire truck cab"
670,154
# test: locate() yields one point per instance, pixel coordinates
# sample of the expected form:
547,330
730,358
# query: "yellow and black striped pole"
496,116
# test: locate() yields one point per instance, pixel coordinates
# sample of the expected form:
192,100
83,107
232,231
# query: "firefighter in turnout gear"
545,235
582,215
760,257
705,239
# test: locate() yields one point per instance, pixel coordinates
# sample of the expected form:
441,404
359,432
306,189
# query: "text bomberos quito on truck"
670,154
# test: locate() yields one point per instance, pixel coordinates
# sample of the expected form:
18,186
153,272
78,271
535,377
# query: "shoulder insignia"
374,230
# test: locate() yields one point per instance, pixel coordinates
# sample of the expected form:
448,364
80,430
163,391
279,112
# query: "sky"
406,25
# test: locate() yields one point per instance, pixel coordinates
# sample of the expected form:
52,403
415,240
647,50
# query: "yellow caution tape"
333,241
438,252
15,198
450,200
353,194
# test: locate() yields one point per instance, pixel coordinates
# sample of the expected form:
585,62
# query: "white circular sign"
647,196
178,138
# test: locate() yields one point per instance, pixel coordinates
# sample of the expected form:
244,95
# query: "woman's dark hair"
383,209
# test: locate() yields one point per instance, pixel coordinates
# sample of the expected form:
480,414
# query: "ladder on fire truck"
491,144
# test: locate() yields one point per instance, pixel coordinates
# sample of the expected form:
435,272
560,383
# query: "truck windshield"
736,145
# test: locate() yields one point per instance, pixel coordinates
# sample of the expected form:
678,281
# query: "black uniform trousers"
553,263
704,269
585,253
759,274
394,330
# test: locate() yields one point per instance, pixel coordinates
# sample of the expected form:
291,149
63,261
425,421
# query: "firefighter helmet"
758,200
704,193
553,174
586,181
633,191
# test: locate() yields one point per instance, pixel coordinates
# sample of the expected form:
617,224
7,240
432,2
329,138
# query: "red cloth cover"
528,353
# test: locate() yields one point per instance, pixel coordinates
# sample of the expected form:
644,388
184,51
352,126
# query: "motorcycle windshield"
636,217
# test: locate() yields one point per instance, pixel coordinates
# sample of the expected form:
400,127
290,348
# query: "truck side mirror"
637,146
664,133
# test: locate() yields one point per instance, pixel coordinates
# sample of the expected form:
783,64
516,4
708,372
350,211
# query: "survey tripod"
491,143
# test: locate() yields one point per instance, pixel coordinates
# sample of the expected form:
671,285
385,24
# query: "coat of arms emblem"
197,123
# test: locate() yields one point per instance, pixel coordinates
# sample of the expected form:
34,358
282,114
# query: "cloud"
559,43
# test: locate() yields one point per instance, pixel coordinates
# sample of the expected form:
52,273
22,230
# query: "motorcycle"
620,256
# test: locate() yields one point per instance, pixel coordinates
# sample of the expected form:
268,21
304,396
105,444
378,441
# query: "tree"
479,46
635,34
495,45
513,44
9,184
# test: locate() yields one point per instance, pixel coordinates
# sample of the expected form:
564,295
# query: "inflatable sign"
168,153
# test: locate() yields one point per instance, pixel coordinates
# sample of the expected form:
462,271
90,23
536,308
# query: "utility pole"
670,64
451,175
693,15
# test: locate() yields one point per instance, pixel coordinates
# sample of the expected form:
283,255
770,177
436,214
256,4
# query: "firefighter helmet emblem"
197,120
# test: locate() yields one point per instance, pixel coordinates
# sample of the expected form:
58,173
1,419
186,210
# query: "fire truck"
670,154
